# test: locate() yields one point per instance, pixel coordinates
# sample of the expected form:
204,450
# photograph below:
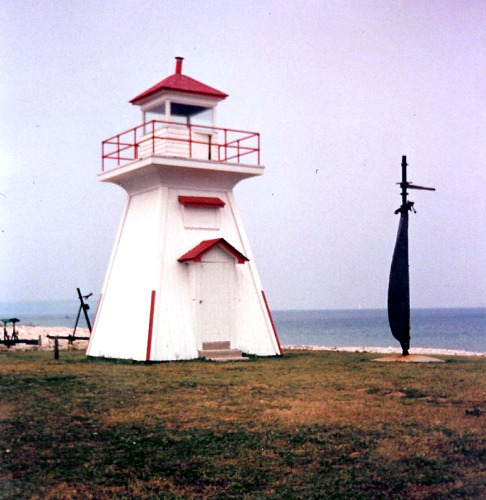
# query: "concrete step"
209,346
220,353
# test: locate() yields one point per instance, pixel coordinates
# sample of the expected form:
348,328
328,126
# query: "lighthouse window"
200,217
195,115
157,113
204,117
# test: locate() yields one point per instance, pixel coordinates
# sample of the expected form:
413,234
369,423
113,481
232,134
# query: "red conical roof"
180,83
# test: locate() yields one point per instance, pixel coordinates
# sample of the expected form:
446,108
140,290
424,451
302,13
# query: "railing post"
153,137
118,151
135,145
225,144
238,149
190,140
258,141
103,156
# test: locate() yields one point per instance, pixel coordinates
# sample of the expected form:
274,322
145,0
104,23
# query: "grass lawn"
307,425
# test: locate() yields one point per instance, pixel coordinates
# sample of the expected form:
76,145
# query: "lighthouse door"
215,302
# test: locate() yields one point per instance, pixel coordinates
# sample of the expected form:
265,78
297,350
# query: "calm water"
47,313
463,329
438,328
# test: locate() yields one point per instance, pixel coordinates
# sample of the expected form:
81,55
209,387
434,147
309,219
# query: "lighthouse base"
182,273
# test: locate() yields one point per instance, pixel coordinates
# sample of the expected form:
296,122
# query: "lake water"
458,329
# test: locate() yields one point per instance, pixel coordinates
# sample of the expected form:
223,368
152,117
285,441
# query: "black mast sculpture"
399,285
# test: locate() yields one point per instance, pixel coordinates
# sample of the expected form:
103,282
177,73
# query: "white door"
215,312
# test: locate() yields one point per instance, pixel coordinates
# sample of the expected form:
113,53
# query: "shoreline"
36,332
41,332
386,350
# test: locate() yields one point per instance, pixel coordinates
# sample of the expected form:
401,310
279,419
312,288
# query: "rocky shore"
41,332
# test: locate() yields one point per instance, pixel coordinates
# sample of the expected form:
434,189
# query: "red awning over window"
198,251
201,201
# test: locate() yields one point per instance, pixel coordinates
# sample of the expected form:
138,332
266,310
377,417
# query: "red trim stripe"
273,324
151,325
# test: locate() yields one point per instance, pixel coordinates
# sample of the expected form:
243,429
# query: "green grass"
308,425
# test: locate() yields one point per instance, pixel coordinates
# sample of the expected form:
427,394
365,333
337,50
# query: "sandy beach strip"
384,350
46,344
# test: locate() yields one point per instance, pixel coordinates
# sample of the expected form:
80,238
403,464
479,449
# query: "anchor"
84,308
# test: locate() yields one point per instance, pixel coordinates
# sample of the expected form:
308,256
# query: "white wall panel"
123,318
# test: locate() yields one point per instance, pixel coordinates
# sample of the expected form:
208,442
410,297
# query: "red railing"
182,140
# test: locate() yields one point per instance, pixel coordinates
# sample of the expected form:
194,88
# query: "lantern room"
181,99
170,110
179,120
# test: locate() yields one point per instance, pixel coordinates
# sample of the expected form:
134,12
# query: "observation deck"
172,139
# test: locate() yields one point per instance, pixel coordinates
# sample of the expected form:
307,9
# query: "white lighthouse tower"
181,281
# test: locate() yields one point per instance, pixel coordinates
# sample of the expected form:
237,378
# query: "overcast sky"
339,91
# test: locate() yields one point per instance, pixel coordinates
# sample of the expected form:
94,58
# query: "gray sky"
339,91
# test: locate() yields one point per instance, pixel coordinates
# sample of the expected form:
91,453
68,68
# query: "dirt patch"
396,394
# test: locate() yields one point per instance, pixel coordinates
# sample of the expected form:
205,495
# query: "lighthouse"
181,281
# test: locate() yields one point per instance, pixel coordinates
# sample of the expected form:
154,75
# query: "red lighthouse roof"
180,83
198,251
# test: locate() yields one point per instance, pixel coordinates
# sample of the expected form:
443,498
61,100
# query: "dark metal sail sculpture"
399,285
